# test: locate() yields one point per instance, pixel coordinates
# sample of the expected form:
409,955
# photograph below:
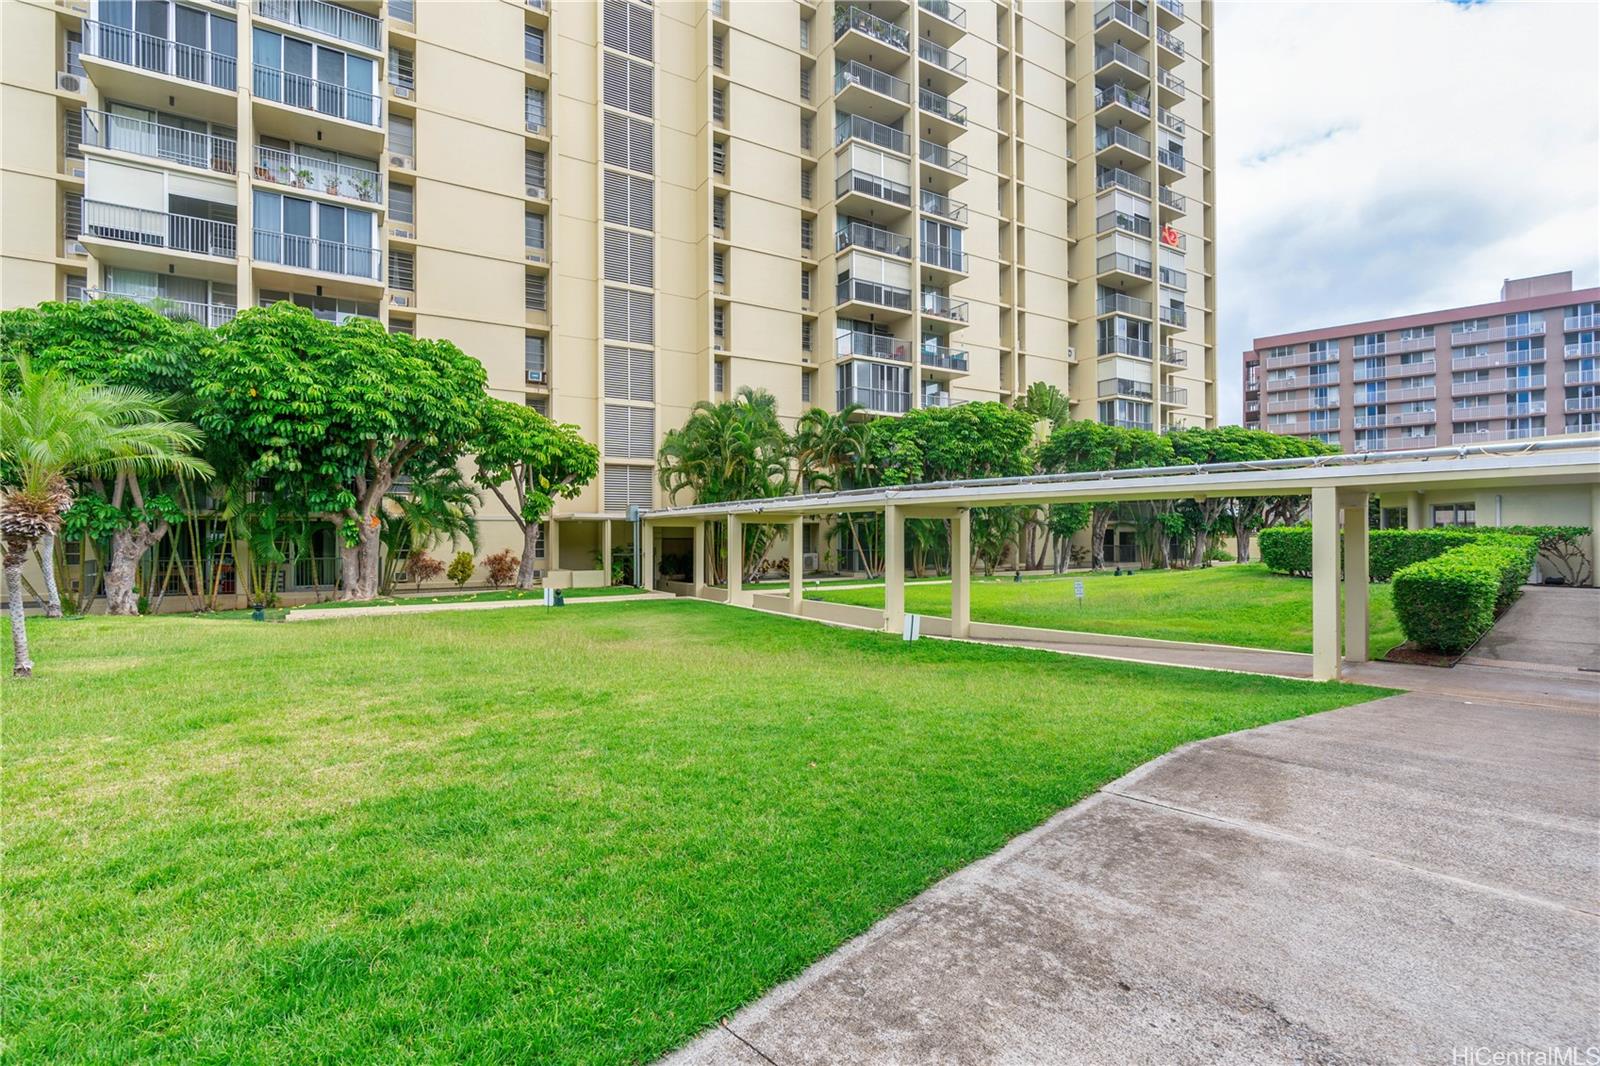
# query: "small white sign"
912,629
1077,587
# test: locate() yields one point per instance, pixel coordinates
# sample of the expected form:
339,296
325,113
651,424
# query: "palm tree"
438,504
54,429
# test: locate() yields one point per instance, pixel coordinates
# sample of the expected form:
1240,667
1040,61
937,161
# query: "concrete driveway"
1381,883
1546,627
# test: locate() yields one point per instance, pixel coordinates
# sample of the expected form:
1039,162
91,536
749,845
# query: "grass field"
1242,605
406,599
575,836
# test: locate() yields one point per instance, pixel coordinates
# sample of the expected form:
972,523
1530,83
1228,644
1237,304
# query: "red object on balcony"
1169,236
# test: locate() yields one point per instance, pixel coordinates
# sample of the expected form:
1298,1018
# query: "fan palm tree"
54,429
438,505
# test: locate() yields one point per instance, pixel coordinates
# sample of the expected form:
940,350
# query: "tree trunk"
1097,537
47,563
528,564
363,564
1241,538
1202,542
22,665
127,548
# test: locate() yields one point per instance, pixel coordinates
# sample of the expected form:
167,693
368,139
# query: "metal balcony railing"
934,203
1174,356
944,257
1116,303
118,44
159,229
1171,121
849,126
1363,351
1171,43
1106,136
941,105
1168,80
952,13
942,58
1175,316
324,257
1176,201
1582,348
936,398
1173,6
1127,264
941,306
1124,14
1138,390
1481,334
1133,423
1581,322
854,73
120,133
330,19
879,188
1173,278
1122,220
1170,159
940,156
871,346
884,401
1582,377
323,97
859,290
1115,53
1116,177
1583,403
873,239
865,22
212,315
1138,349
937,355
303,172
1116,94
1175,395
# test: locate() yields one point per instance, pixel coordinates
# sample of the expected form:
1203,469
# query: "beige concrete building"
889,203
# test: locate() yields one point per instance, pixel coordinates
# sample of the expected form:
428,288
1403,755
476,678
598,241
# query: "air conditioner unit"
401,91
404,231
403,162
535,255
536,377
75,247
69,83
809,561
400,299
75,169
538,192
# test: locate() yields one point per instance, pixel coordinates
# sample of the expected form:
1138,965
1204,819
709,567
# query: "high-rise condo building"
1527,365
887,203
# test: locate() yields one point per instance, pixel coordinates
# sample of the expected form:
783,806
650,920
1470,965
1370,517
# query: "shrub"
461,568
422,567
1389,550
1286,549
1215,554
1447,602
502,567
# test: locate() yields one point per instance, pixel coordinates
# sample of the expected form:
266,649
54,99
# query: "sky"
1385,158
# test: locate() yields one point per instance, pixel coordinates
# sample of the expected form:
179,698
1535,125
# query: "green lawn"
407,599
575,836
1243,605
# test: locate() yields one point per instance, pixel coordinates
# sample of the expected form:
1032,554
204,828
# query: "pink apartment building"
1527,365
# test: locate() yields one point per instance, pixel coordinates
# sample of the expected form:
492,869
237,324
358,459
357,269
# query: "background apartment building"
1527,365
888,203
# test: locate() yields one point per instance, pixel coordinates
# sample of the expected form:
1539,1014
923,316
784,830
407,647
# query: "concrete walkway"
304,614
1547,627
1382,883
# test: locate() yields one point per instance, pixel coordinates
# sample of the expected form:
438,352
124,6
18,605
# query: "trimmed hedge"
1447,602
1287,549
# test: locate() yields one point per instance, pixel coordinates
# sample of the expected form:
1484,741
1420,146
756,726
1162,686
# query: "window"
807,132
72,133
806,377
533,230
719,327
404,10
626,85
627,486
719,214
805,83
629,316
630,432
403,71
807,234
627,28
719,377
402,271
533,44
173,39
719,106
74,59
402,203
719,273
808,330
535,358
805,34
719,158
719,51
534,114
403,326
534,173
77,288
629,143
630,373
629,257
535,292
807,283
629,200
807,178
315,77
540,404
315,236
402,137
1455,514
1416,333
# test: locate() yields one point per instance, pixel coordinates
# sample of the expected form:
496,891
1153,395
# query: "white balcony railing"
323,97
212,315
303,172
118,44
159,229
122,133
324,257
330,19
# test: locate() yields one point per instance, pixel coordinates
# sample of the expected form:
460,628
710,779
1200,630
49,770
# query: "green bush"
1286,549
1447,602
1389,550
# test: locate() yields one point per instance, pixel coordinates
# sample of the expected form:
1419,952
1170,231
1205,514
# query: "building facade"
1525,366
887,203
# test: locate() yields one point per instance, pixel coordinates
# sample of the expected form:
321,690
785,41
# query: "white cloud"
1378,159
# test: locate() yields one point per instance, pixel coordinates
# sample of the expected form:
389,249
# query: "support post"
605,549
894,568
1414,511
647,556
1325,584
552,545
735,558
1594,536
961,574
698,576
1356,620
797,561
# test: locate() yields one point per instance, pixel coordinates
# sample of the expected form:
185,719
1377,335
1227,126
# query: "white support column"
961,574
894,568
552,545
735,558
699,573
647,556
1414,511
797,562
1356,620
1594,536
1325,584
605,549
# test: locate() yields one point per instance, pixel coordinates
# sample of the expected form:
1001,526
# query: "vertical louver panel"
535,292
629,258
402,271
626,85
628,29
534,172
629,373
627,486
629,143
629,316
629,200
630,432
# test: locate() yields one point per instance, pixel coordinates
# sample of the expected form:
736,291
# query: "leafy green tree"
461,569
434,506
1065,521
1253,512
1226,444
325,417
1084,446
534,459
55,430
1045,401
118,343
832,451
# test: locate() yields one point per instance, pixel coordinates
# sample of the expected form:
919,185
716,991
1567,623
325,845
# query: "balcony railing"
953,13
1138,390
935,203
1115,53
1363,351
1581,322
1582,348
1106,136
1126,264
864,129
859,290
1322,380
335,179
1174,356
121,133
1176,201
1175,7
1116,94
1175,316
1116,177
942,58
885,401
943,358
1170,159
158,229
1168,80
330,19
1583,377
1139,349
1169,42
853,73
1133,423
323,97
1124,14
940,156
872,185
865,22
1583,403
118,44
936,398
1116,303
944,256
1171,121
1175,395
324,257
873,239
1482,334
872,346
941,306
1122,220
212,315
1173,279
941,105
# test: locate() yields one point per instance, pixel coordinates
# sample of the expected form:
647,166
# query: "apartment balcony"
1120,61
1522,410
1173,205
119,133
1322,380
1170,88
872,239
939,357
298,108
330,20
874,401
212,315
1583,403
1324,425
856,127
1395,370
1582,377
1288,359
1479,436
1496,359
1173,279
118,58
1169,13
1122,221
870,93
1116,178
1524,432
297,253
1116,100
858,33
1133,423
947,117
1371,350
1115,17
857,297
1127,388
942,206
942,21
940,68
1581,349
1477,388
1420,392
1416,344
1171,163
1581,322
941,259
942,169
1174,357
1117,147
860,193
1286,404
1117,264
1167,40
937,398
318,175
1116,303
1169,120
1176,317
940,312
137,237
1460,337
854,345
1129,346
1176,395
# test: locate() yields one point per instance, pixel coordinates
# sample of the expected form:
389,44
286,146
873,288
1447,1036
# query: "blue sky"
1378,159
